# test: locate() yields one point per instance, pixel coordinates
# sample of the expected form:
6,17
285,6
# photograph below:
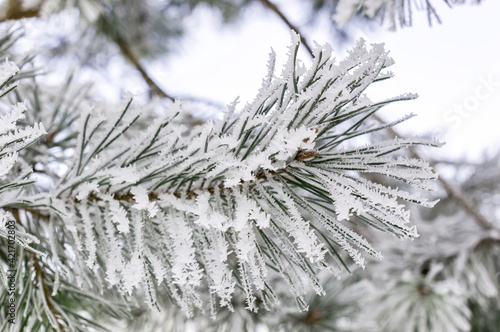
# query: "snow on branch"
13,139
269,190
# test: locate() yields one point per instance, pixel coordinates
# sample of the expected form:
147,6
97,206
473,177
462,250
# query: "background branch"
453,191
13,10
128,53
268,4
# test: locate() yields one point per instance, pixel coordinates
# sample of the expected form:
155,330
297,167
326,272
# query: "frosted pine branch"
226,207
13,139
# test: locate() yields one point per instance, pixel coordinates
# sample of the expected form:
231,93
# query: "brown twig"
15,11
128,53
466,203
285,20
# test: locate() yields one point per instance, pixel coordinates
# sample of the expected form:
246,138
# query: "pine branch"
14,11
148,210
452,191
239,183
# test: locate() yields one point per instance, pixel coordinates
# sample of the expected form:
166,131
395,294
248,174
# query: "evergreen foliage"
136,217
144,214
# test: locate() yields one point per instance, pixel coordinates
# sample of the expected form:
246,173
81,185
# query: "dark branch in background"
128,53
452,190
282,16
432,12
466,203
15,11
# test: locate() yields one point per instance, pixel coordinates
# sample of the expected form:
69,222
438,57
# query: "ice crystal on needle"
13,139
229,205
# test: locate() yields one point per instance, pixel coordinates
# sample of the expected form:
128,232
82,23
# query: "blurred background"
210,52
